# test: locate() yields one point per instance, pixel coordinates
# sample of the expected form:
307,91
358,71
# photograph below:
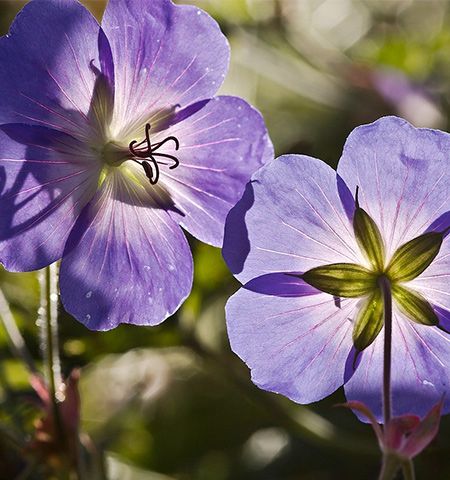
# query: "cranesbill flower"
312,248
110,141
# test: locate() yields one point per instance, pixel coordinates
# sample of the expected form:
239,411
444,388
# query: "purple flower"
298,221
110,140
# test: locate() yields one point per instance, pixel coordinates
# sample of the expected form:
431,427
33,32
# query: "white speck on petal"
147,267
88,294
426,382
87,317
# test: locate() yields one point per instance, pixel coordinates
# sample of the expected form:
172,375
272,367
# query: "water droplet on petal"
87,317
147,267
88,294
171,268
429,384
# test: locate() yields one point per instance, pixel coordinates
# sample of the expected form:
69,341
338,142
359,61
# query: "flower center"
148,153
352,280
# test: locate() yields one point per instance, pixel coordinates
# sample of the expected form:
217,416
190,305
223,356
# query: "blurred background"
173,402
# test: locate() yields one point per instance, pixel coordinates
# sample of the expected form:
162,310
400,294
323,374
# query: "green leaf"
369,321
341,279
414,306
415,256
368,237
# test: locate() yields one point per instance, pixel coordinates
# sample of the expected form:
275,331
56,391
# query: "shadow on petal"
346,196
444,318
236,246
441,224
281,285
352,363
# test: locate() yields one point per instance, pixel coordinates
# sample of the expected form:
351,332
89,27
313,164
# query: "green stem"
389,468
385,286
48,320
408,470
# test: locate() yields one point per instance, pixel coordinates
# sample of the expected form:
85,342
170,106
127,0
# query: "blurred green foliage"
173,399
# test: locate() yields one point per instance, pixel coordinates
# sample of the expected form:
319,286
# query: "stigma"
148,155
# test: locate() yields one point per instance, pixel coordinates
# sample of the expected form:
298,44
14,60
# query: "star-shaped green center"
352,280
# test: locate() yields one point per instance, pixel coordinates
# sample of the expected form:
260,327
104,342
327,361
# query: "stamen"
148,154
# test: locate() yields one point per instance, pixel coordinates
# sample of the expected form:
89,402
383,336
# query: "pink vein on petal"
51,182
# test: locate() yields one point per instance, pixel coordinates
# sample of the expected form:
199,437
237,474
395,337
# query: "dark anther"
357,196
148,152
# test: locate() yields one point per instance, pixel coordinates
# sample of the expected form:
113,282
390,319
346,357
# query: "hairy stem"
389,468
48,321
408,470
385,286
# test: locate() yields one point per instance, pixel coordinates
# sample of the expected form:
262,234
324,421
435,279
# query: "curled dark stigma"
147,152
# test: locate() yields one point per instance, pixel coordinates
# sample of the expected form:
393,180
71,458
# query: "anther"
148,152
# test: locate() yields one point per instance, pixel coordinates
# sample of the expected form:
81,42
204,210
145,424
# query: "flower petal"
420,370
434,282
46,178
221,146
295,344
295,216
48,58
403,176
165,55
125,262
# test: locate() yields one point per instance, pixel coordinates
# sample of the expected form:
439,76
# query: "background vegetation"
173,402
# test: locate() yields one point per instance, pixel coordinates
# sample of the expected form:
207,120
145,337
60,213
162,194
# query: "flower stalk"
48,323
408,470
390,462
389,467
385,286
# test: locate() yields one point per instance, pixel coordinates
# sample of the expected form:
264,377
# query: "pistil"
148,152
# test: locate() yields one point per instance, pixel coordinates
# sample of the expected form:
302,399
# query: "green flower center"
352,280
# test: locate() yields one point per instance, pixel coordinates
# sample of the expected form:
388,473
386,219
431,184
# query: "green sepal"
414,306
341,279
369,238
414,257
369,321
